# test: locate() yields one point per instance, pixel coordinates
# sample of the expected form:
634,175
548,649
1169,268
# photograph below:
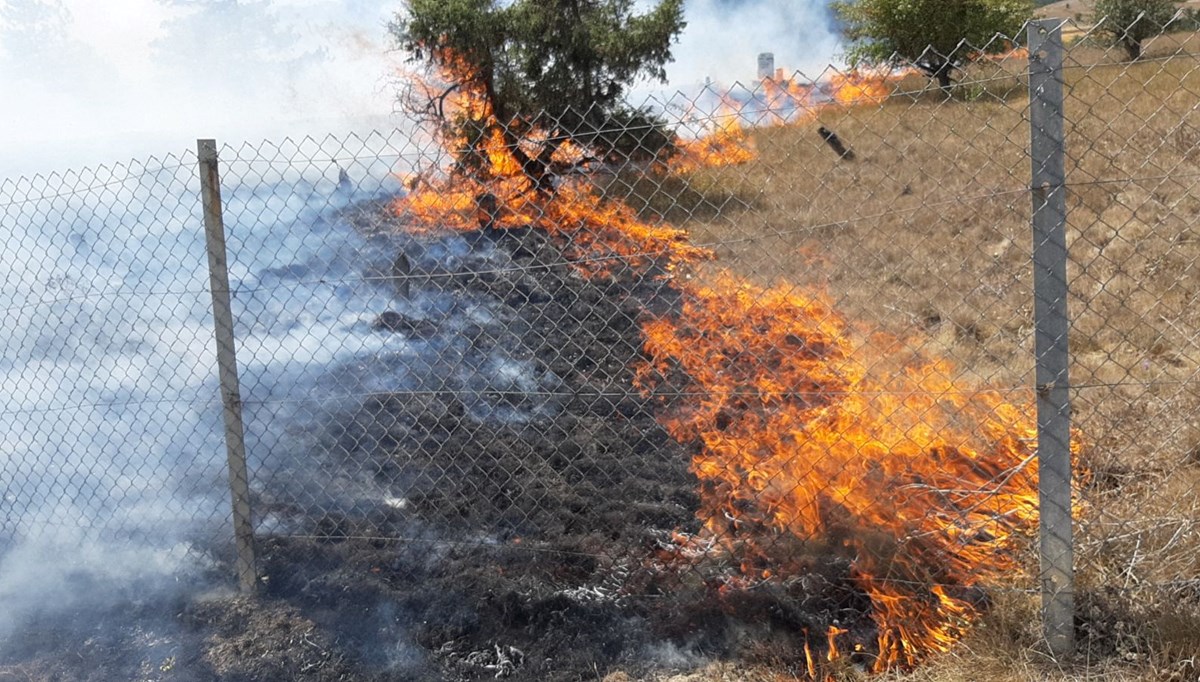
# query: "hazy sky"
723,38
83,81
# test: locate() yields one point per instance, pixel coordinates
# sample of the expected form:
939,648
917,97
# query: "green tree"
1131,22
558,67
937,36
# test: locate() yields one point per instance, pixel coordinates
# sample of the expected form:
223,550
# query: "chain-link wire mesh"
112,469
523,405
1132,206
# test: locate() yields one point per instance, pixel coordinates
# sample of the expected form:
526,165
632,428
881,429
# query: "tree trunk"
940,72
943,78
1133,48
533,168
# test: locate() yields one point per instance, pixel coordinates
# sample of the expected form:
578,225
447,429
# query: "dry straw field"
925,237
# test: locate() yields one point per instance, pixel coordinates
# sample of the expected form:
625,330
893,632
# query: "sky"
724,37
90,81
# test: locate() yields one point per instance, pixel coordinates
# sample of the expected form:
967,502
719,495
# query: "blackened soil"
529,543
521,546
537,548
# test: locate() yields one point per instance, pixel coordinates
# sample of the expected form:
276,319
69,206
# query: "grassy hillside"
1069,9
1080,16
926,237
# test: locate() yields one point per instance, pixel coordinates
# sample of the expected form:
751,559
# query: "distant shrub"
1129,23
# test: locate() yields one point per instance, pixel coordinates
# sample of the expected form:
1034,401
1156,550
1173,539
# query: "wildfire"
788,100
728,144
862,87
778,101
603,235
923,487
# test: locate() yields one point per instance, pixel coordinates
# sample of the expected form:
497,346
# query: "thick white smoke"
724,37
86,82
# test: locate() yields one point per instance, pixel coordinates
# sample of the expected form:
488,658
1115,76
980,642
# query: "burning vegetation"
584,445
808,446
724,138
510,175
818,451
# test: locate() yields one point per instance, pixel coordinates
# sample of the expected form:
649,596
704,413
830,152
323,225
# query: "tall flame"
924,487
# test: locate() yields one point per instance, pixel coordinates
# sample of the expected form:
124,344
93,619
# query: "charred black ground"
529,543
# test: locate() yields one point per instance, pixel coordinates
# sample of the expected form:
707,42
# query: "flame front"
922,486
861,87
603,235
729,144
777,101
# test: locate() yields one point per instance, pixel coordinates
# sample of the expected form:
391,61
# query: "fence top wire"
8,186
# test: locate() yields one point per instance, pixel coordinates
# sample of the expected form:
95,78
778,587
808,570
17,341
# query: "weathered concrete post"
231,396
1048,152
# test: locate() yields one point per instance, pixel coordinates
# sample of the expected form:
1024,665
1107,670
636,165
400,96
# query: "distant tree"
1131,22
557,67
929,34
33,31
38,49
246,45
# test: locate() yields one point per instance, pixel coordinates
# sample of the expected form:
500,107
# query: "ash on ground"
484,494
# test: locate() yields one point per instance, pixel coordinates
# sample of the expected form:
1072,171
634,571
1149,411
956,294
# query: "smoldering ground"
112,420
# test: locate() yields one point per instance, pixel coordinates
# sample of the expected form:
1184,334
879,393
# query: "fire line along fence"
797,392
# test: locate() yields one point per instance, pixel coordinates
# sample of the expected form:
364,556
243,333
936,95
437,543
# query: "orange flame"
603,235
834,632
810,664
924,488
919,484
729,144
861,87
784,101
788,100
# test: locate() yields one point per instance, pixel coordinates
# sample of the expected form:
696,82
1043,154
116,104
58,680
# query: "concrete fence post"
1047,149
231,397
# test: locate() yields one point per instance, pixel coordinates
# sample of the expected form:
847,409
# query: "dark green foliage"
936,36
562,67
1131,22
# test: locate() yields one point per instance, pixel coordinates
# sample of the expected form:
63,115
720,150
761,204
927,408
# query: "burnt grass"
532,548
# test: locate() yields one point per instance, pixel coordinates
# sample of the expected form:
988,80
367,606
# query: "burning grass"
925,239
801,435
919,485
826,467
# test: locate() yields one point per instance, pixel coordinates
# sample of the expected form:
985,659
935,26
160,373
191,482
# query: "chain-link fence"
775,391
109,450
1132,206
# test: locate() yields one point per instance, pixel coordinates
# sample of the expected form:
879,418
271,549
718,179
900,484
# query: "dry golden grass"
926,237
1085,9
